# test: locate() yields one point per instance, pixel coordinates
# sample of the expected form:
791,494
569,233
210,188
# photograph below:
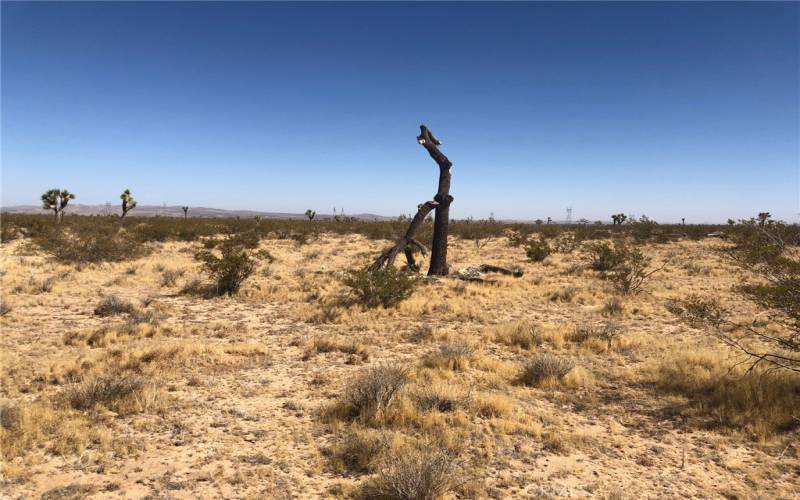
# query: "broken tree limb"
478,273
438,265
404,244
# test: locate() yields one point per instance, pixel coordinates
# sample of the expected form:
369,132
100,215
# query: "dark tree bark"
438,265
405,244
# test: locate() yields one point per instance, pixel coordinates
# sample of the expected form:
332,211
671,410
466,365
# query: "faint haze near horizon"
671,110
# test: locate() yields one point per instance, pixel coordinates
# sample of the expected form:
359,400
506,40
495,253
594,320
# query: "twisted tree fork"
438,265
441,202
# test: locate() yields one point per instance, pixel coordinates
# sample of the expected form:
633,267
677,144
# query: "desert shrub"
113,305
456,356
169,277
373,391
537,249
228,270
626,267
4,308
522,334
416,474
108,390
607,332
630,275
385,287
565,242
357,450
613,307
441,397
604,257
566,294
544,367
515,237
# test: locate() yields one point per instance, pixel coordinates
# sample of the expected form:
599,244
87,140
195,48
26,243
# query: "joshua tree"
683,220
619,219
56,200
763,218
185,211
310,214
731,222
128,203
549,220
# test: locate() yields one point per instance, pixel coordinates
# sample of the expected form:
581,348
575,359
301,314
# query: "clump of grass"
119,392
566,294
371,393
424,333
385,287
522,334
543,368
113,305
169,277
441,397
760,402
613,307
455,356
358,449
323,345
606,333
416,474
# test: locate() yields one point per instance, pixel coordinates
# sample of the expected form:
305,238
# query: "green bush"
538,249
604,257
228,270
384,287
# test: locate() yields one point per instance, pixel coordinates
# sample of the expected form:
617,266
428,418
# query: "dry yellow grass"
245,396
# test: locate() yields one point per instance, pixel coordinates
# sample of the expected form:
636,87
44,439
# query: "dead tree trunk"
438,265
404,244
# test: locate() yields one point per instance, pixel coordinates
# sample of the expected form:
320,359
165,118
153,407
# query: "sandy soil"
239,401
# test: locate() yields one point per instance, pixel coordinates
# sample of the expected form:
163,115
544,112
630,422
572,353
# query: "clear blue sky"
670,110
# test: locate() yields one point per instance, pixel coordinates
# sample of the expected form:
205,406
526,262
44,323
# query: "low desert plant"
113,305
626,267
522,334
537,249
441,397
229,269
169,277
456,356
545,367
385,287
373,392
604,257
422,473
118,392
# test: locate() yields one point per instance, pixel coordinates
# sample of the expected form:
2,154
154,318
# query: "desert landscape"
125,377
236,262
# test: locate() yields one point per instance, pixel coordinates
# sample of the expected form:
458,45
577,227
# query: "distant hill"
175,211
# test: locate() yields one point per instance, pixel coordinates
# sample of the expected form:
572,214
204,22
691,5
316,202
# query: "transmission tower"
569,215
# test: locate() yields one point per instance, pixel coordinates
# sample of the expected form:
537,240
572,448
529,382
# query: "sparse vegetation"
373,392
537,249
385,287
230,268
544,368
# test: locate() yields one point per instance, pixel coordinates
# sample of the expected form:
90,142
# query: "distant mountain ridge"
175,211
